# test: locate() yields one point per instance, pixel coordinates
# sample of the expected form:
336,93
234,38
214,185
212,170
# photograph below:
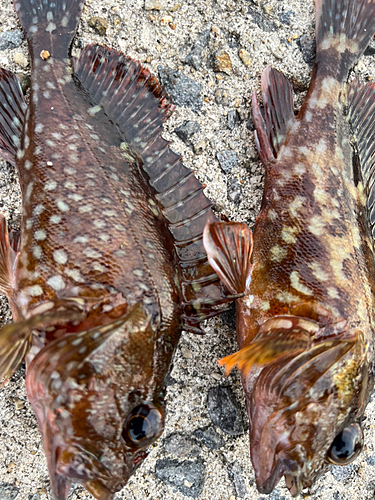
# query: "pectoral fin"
229,247
16,338
280,336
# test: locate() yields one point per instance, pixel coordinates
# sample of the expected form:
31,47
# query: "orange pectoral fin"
229,247
284,335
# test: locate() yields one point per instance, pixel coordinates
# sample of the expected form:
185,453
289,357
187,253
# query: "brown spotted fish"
109,265
308,311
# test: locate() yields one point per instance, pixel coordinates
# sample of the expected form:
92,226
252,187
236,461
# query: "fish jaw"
293,422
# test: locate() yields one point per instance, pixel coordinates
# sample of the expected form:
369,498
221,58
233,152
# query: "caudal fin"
343,30
49,24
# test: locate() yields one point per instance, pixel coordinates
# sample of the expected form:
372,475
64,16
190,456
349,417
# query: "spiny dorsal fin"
361,111
229,247
12,115
135,101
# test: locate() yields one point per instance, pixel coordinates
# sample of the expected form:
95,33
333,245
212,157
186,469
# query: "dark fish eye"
346,446
143,425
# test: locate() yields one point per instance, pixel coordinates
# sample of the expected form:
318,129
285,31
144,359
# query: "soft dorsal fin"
12,115
9,245
361,111
135,101
229,247
277,117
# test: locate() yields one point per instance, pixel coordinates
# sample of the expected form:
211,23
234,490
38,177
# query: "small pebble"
221,62
245,57
195,56
262,21
234,191
221,97
99,24
199,147
176,473
154,5
186,353
306,44
224,410
8,491
19,403
20,59
10,39
228,160
186,130
232,118
237,476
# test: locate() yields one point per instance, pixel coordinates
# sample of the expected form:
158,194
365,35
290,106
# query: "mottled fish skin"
308,307
110,265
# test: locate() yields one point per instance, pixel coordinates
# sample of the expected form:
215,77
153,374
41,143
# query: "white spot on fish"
51,27
55,219
95,109
85,208
60,256
40,235
35,290
37,251
74,274
50,185
56,282
298,285
93,254
64,207
28,164
39,209
81,239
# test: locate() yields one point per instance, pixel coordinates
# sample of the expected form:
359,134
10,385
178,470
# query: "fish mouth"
288,468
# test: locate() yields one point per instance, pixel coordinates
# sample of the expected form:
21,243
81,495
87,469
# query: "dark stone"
237,477
183,90
186,130
232,118
227,160
209,437
10,39
261,21
370,460
186,477
195,56
8,491
234,40
234,191
286,17
307,46
25,82
36,496
224,411
370,50
180,445
276,495
221,97
229,317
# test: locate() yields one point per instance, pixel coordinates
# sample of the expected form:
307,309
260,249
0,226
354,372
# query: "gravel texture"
210,55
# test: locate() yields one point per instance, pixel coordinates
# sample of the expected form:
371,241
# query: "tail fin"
49,23
343,30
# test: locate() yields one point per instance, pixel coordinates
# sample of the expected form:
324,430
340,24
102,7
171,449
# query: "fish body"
308,273
109,264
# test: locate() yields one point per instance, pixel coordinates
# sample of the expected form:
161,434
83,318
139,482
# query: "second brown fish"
308,308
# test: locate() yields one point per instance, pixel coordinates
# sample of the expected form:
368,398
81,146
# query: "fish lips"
288,468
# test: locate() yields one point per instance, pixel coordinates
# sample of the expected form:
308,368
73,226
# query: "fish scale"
109,265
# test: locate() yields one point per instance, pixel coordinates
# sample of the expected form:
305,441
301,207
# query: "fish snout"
285,467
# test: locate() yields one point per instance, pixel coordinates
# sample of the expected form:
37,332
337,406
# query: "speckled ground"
252,34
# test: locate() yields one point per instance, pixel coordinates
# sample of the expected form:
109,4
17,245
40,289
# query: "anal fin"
9,245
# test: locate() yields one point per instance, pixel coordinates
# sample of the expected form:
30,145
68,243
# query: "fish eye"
346,446
143,425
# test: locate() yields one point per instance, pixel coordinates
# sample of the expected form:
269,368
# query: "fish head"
99,403
306,411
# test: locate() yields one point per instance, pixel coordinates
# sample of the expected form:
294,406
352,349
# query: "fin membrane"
283,335
361,112
135,101
277,117
16,338
346,26
229,247
12,115
9,245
